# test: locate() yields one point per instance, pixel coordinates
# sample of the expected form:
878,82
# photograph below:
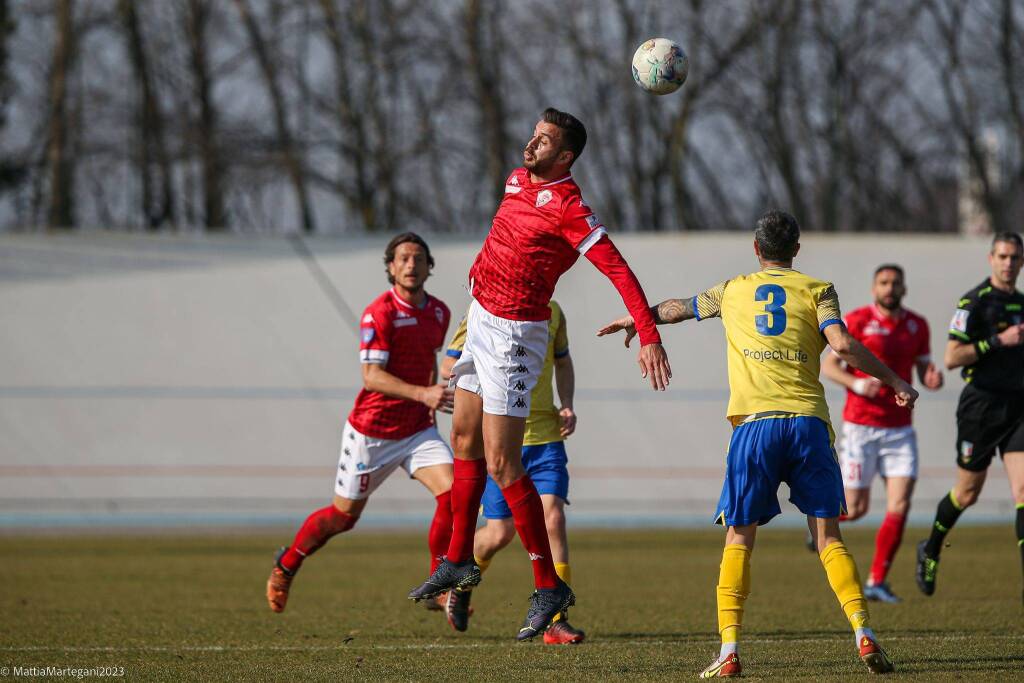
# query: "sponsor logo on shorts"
347,452
520,403
966,451
343,467
765,355
520,386
520,352
520,368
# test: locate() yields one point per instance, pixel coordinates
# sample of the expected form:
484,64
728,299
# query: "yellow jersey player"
777,322
545,461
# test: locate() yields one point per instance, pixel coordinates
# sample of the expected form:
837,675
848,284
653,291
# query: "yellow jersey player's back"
773,323
777,321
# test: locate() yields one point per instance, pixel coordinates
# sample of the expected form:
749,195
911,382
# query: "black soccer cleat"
447,576
457,609
544,605
927,568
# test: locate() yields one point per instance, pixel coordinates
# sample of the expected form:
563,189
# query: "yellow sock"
565,574
733,589
483,564
845,581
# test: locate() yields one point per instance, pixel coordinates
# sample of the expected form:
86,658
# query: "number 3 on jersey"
774,323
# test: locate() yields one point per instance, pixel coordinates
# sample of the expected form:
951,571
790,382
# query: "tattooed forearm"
673,311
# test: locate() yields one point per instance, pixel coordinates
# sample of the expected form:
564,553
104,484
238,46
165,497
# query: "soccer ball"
660,66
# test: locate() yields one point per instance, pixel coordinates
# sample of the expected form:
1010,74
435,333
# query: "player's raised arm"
653,359
853,352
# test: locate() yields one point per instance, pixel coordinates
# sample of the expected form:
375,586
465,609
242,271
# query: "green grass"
192,608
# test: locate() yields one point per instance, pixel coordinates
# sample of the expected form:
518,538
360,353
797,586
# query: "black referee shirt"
981,313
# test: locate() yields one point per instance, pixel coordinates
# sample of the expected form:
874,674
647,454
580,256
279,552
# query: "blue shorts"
763,454
546,465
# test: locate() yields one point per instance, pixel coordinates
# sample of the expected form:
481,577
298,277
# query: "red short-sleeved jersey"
899,343
539,231
405,340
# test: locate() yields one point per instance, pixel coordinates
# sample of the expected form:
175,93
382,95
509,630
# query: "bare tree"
60,213
291,156
153,159
205,127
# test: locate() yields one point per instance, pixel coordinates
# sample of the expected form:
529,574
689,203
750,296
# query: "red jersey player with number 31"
877,434
541,228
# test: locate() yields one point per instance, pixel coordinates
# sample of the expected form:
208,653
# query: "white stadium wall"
204,380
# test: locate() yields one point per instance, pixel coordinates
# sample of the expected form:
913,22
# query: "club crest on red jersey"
543,197
368,333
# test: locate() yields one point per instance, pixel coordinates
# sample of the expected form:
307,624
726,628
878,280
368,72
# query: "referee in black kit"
985,339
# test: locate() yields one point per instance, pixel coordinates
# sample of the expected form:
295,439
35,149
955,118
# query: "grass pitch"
192,608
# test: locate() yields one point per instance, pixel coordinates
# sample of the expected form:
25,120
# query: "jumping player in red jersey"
541,227
877,433
392,422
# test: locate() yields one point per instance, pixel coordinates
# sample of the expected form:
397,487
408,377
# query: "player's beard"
538,166
889,303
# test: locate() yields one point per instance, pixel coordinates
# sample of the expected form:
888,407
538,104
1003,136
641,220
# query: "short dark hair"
389,251
891,266
1007,236
777,235
574,133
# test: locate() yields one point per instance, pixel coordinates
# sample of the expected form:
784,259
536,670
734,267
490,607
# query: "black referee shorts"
986,421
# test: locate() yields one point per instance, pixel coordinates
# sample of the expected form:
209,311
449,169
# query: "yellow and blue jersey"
543,424
773,322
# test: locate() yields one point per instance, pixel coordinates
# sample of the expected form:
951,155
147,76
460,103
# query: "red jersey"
900,343
539,231
405,340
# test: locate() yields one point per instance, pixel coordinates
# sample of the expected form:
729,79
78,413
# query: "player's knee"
339,521
967,497
502,470
856,510
505,533
899,507
462,441
554,518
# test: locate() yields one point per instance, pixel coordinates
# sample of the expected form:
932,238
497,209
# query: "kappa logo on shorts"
543,197
521,368
520,386
343,467
520,352
347,452
520,403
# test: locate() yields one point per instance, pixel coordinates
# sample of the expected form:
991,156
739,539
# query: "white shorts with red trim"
501,360
865,450
365,462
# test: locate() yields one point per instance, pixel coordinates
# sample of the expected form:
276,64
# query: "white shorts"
365,462
864,450
501,360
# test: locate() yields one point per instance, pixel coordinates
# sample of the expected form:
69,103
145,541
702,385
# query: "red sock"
440,534
528,516
467,490
887,542
314,532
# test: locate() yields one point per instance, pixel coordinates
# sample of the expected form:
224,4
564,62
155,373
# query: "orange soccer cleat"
562,632
872,654
278,585
724,668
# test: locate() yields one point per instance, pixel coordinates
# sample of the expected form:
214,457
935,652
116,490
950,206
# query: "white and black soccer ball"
660,66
